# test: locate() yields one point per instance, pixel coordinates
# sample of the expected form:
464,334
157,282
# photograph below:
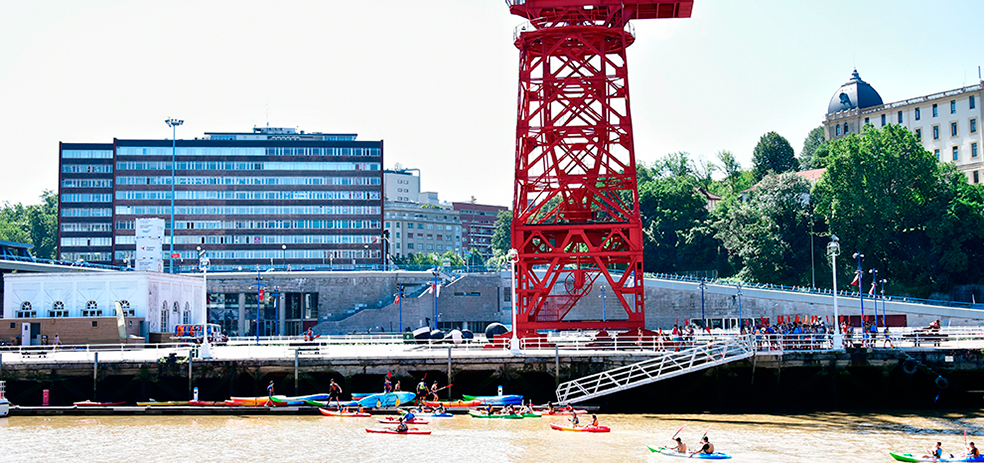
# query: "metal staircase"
699,355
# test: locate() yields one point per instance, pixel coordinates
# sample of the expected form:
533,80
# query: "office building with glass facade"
270,198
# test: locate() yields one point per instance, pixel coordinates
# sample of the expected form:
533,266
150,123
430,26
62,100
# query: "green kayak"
483,415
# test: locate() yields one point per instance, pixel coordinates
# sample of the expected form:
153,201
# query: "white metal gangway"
699,356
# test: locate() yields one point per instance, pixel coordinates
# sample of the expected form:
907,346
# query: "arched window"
91,310
125,305
58,310
26,311
186,315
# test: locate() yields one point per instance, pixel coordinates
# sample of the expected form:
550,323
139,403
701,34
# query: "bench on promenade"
34,354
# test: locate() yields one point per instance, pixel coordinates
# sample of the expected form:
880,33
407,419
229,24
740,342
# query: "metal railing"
698,356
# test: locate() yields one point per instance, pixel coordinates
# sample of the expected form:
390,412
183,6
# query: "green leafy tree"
501,236
453,258
732,170
814,140
914,218
676,164
35,224
768,235
772,154
671,207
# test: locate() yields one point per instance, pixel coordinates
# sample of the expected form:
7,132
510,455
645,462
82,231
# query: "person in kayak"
409,416
402,427
680,447
706,446
936,453
972,452
574,421
594,420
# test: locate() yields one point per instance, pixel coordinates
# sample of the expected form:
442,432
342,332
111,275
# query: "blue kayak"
696,456
909,457
499,400
391,399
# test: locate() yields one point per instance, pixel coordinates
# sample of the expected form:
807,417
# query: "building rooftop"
855,94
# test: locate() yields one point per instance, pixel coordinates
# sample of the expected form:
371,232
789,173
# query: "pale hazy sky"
437,79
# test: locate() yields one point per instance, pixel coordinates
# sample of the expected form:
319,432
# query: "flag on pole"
397,300
857,279
437,292
872,291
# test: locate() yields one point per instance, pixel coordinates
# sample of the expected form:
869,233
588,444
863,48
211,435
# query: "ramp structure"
576,202
700,356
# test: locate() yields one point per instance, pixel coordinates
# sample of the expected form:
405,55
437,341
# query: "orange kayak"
564,427
453,403
326,412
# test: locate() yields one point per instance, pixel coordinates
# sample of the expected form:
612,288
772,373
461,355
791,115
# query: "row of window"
429,226
430,236
87,241
87,227
430,247
86,198
87,168
956,152
88,256
264,224
87,154
58,309
87,183
87,212
166,180
286,166
246,195
248,210
261,239
276,254
272,151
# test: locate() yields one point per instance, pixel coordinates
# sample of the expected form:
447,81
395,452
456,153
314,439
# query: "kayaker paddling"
706,447
574,421
402,427
972,451
680,446
936,453
594,420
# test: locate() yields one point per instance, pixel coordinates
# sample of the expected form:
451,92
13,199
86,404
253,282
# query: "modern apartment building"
947,123
477,226
273,198
422,229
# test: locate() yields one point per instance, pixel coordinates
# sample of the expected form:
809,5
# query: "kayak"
578,411
699,456
204,403
326,412
910,457
394,431
564,427
391,420
171,403
509,399
429,415
325,403
89,403
390,399
453,403
298,400
253,401
513,416
532,415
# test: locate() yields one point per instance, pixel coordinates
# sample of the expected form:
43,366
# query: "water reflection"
844,437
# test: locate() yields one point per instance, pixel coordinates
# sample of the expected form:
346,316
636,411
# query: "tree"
768,236
731,168
772,154
501,236
670,208
815,150
676,164
35,224
915,219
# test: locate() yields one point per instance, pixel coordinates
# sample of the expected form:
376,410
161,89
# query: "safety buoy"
909,366
941,382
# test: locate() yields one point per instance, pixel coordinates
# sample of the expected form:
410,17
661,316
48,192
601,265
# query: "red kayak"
89,403
326,412
564,427
394,431
391,420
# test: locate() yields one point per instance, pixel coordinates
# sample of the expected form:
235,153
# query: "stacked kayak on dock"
697,456
510,416
89,403
429,415
913,458
498,400
452,403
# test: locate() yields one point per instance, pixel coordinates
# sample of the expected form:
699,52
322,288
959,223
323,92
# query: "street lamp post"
833,250
703,321
259,300
604,316
203,263
513,260
860,273
884,308
739,309
283,247
874,294
173,124
399,297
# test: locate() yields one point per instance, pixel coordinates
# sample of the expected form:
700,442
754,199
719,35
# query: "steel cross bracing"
717,351
576,215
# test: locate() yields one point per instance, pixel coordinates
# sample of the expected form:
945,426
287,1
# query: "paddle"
701,438
678,432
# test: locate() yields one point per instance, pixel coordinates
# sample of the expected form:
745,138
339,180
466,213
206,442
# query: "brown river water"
841,437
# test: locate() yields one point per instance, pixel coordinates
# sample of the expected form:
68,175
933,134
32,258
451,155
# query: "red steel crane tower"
576,205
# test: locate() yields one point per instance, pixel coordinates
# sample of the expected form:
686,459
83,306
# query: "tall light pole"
884,308
604,316
833,250
703,321
203,262
259,300
284,248
173,124
874,294
859,256
513,260
399,297
739,309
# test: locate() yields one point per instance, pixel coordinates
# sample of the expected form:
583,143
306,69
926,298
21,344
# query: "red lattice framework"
575,211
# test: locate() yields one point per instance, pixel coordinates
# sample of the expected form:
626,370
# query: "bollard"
44,397
195,394
190,364
95,373
296,377
556,365
449,373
